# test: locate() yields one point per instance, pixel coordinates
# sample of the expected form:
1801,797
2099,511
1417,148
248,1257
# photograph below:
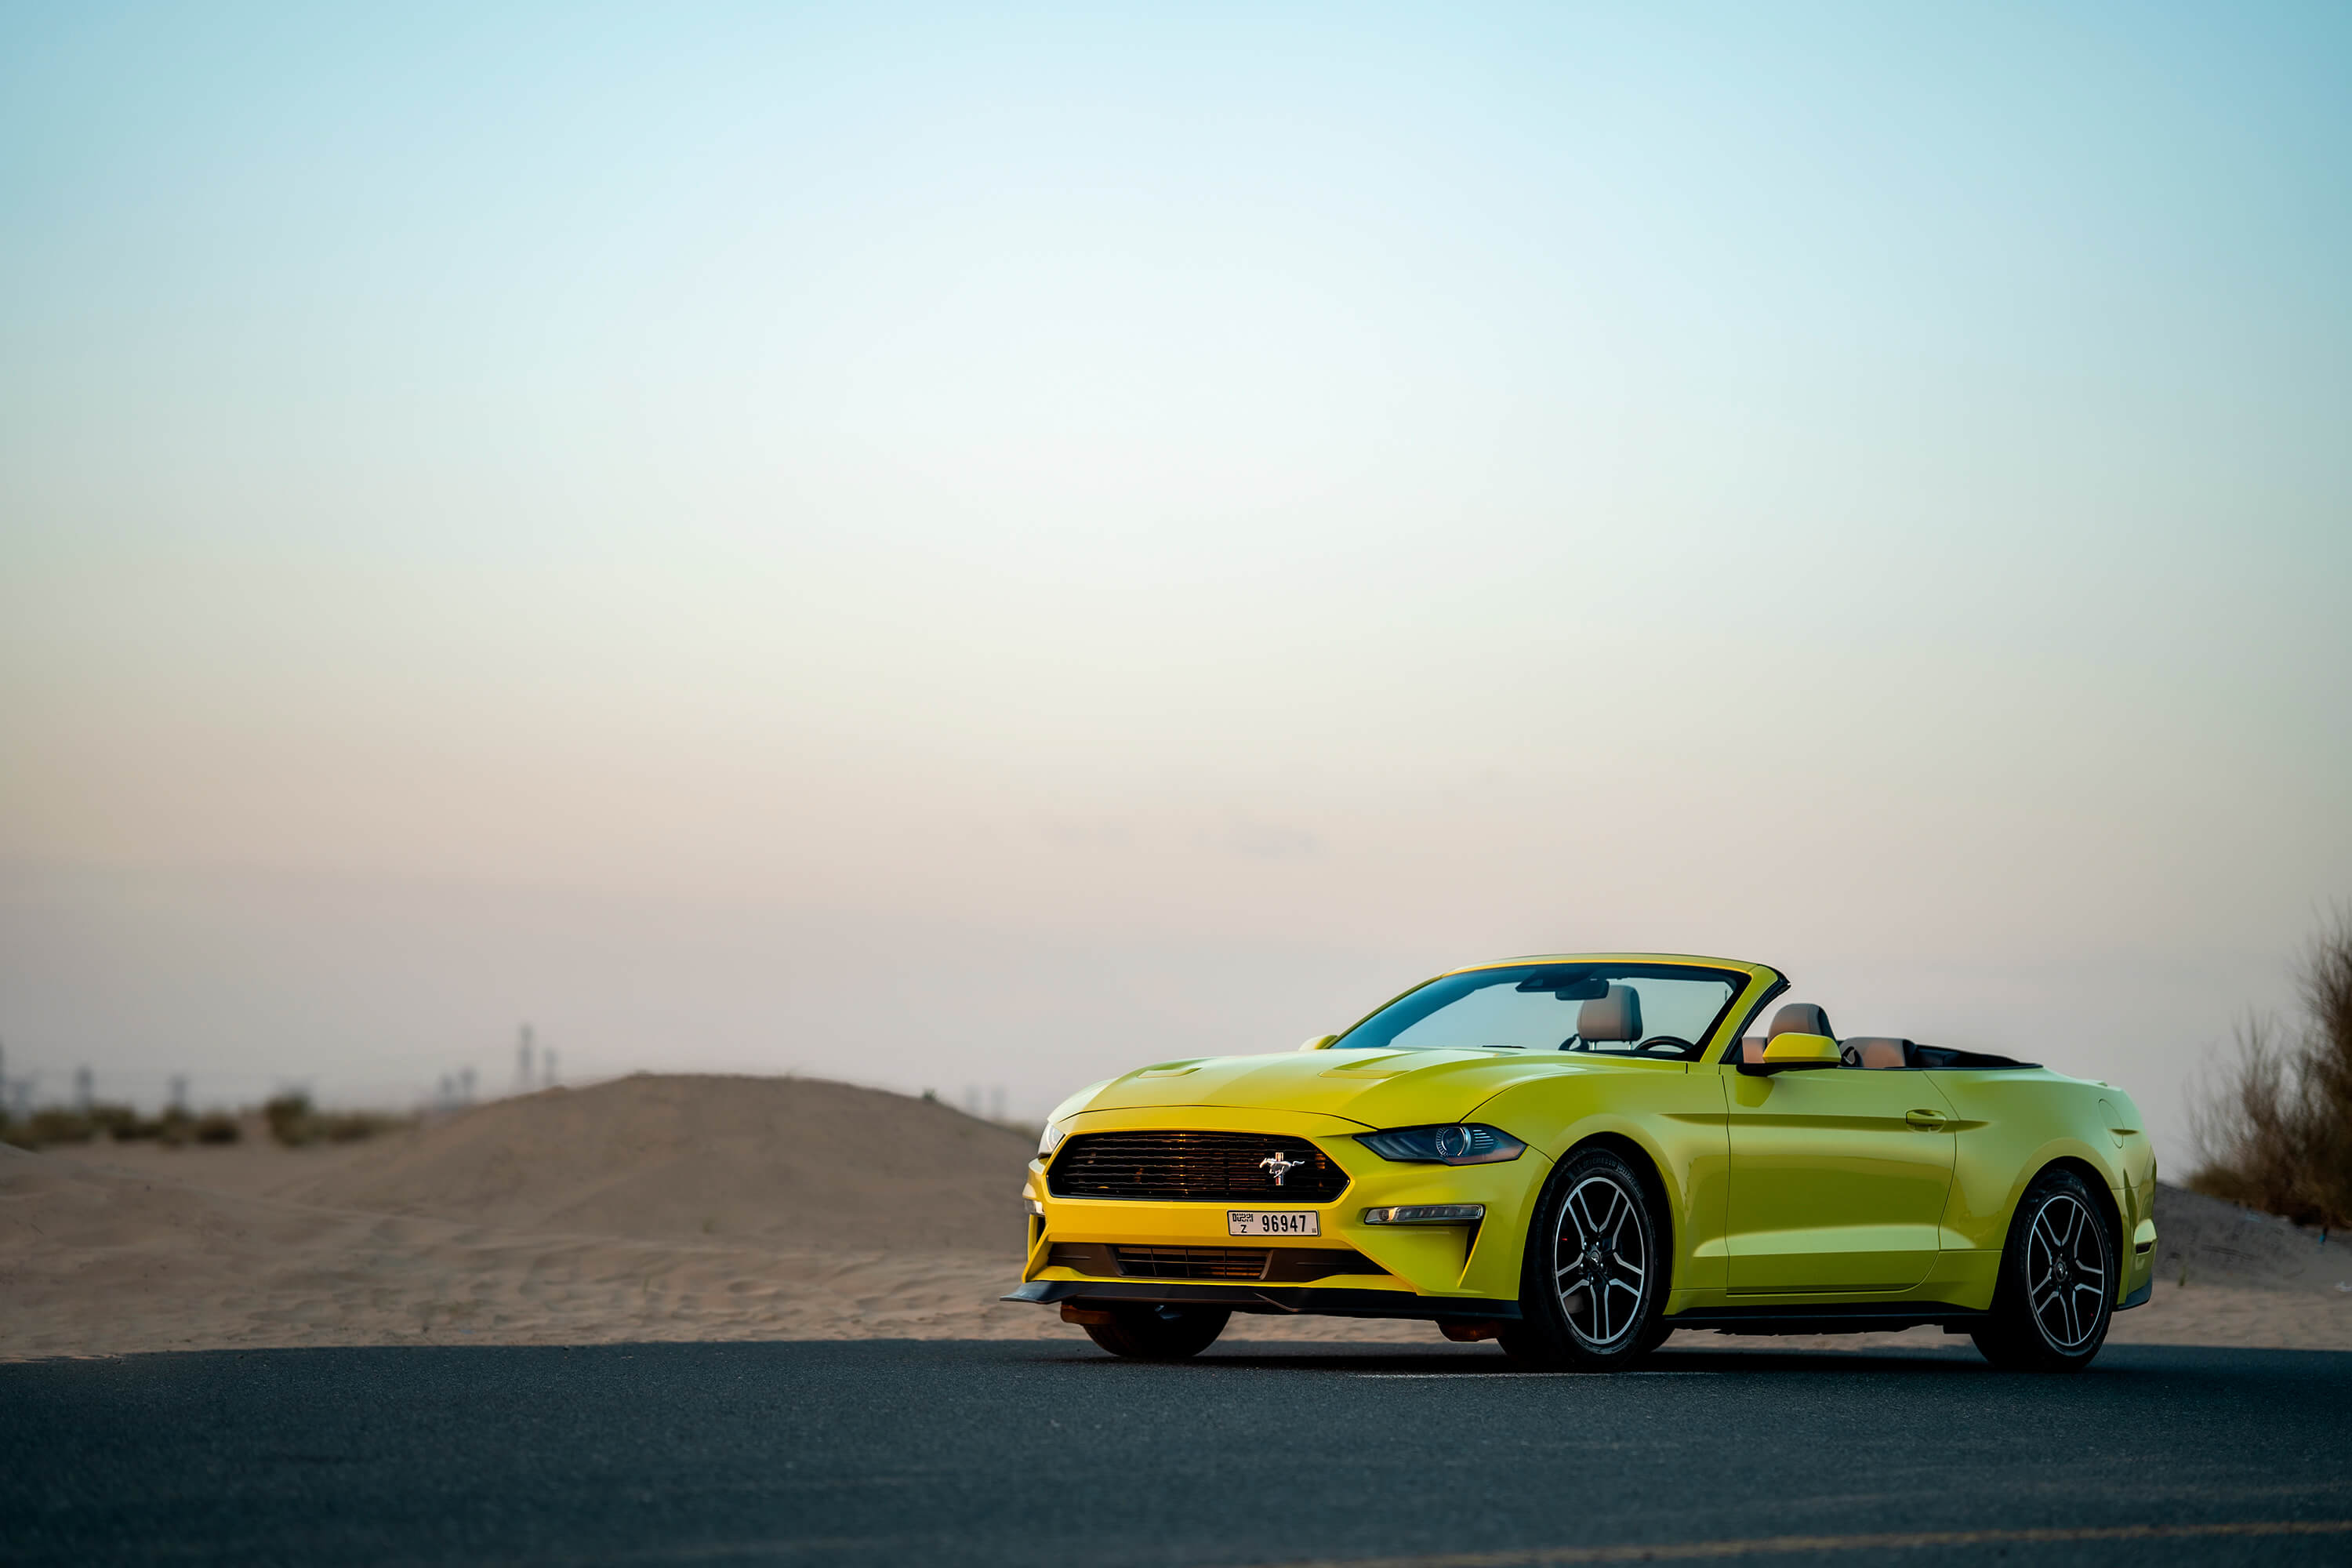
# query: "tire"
1592,1296
1159,1332
2056,1293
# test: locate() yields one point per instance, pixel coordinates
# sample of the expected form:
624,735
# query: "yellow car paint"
1801,1051
1817,1186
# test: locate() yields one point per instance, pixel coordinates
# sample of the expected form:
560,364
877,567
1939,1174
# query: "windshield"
1651,1010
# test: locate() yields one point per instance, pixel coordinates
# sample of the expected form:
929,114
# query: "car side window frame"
1738,1023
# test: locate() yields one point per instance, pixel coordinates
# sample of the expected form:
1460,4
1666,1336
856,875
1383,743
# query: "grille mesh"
1276,1265
1192,1262
1193,1167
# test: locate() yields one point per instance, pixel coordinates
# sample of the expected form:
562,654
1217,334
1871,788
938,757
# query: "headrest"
1616,1016
1876,1051
1802,1018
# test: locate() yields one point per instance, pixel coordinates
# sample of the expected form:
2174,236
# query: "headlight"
1463,1143
1052,1139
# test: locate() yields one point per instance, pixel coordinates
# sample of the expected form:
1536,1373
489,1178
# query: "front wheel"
1159,1332
1595,1290
2057,1288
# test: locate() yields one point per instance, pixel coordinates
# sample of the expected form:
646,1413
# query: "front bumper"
1410,1271
2140,1274
1326,1301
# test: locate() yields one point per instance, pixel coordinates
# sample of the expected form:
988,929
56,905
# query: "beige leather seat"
1794,1018
1801,1018
1613,1019
1878,1051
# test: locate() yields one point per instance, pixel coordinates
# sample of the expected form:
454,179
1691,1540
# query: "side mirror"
1795,1052
1319,1042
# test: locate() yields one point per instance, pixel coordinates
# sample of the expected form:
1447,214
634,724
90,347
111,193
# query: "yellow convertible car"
1577,1155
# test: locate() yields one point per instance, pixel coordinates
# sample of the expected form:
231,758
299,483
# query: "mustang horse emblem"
1279,1165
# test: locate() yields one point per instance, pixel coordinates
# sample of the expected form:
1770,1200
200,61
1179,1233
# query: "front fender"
1670,1112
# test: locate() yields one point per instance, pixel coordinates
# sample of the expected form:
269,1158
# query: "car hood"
1376,1087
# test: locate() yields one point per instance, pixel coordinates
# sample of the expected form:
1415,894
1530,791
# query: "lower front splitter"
1333,1303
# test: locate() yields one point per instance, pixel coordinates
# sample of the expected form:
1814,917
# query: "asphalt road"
897,1452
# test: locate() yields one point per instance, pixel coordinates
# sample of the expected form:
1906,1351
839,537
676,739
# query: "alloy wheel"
1602,1262
2066,1272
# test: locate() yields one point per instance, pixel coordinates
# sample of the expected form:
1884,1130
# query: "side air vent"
1195,1167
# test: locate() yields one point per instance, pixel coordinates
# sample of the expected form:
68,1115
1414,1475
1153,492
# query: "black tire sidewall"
1144,1332
1543,1336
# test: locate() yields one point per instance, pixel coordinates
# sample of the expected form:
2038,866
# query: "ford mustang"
1575,1156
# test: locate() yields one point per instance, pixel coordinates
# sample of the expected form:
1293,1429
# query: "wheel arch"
1537,1332
2101,1193
1646,1168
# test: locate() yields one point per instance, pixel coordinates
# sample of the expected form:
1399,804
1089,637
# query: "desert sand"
721,1208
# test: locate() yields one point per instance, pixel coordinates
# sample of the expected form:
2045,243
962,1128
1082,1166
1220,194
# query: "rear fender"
2014,1126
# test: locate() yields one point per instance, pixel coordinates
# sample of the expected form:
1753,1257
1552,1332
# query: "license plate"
1273,1222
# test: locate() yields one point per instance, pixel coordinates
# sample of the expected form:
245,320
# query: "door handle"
1924,1121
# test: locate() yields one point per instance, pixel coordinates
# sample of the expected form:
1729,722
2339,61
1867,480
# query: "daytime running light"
1427,1214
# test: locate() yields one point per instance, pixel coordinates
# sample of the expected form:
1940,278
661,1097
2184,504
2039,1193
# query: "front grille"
1192,1262
1194,1167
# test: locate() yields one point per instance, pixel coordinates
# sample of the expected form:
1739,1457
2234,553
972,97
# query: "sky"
975,548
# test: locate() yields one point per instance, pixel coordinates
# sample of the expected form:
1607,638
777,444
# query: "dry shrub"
57,1124
117,1122
288,1116
2276,1132
294,1122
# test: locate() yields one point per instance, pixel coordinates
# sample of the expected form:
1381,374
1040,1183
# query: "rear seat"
1876,1051
1869,1051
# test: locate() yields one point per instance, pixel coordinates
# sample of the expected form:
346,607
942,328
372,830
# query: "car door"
1839,1178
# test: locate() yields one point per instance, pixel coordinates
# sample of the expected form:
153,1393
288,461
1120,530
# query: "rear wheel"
1159,1332
1593,1294
2057,1288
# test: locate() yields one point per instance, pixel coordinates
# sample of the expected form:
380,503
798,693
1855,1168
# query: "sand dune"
94,1261
646,1208
2202,1239
696,1208
784,1161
